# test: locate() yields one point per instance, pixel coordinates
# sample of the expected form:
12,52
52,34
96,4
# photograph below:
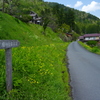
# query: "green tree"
70,18
77,29
8,6
59,12
92,28
45,24
45,18
98,26
74,36
64,28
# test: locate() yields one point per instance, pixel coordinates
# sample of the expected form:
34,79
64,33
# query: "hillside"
79,15
54,15
39,64
27,34
83,22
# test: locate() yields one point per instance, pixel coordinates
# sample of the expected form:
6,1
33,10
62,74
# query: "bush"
25,18
74,36
95,49
92,43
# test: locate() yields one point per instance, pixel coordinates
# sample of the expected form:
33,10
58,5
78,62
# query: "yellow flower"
37,82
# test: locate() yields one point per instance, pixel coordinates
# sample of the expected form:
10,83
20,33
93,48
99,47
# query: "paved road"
84,68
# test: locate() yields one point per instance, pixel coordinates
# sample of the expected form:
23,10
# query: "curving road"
84,69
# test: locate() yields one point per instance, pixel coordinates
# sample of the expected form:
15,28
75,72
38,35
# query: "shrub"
92,43
25,18
74,36
95,49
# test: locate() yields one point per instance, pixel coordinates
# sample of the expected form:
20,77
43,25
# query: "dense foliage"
53,15
80,22
92,43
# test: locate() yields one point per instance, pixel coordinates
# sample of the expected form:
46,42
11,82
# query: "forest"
60,18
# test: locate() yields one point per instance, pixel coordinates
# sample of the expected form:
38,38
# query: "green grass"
39,67
27,34
94,49
39,72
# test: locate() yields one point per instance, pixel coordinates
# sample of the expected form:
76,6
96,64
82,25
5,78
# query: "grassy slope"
39,70
12,28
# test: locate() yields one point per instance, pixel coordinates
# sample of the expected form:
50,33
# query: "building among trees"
89,37
35,18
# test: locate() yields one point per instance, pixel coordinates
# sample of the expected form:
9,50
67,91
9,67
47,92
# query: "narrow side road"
84,69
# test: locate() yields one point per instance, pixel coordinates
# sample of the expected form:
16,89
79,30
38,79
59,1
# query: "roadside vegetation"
39,73
90,47
39,63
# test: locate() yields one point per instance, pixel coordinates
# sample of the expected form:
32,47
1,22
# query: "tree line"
60,18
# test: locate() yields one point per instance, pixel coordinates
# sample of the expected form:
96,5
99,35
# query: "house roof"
33,14
38,18
81,37
68,34
91,35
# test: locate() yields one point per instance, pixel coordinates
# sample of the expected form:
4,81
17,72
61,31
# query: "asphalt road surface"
84,69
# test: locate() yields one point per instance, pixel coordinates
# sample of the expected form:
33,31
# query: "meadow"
39,73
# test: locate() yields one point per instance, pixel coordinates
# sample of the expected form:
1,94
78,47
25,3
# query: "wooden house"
68,34
35,18
89,37
0,9
81,38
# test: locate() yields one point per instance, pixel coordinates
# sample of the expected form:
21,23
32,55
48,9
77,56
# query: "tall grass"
94,49
39,73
